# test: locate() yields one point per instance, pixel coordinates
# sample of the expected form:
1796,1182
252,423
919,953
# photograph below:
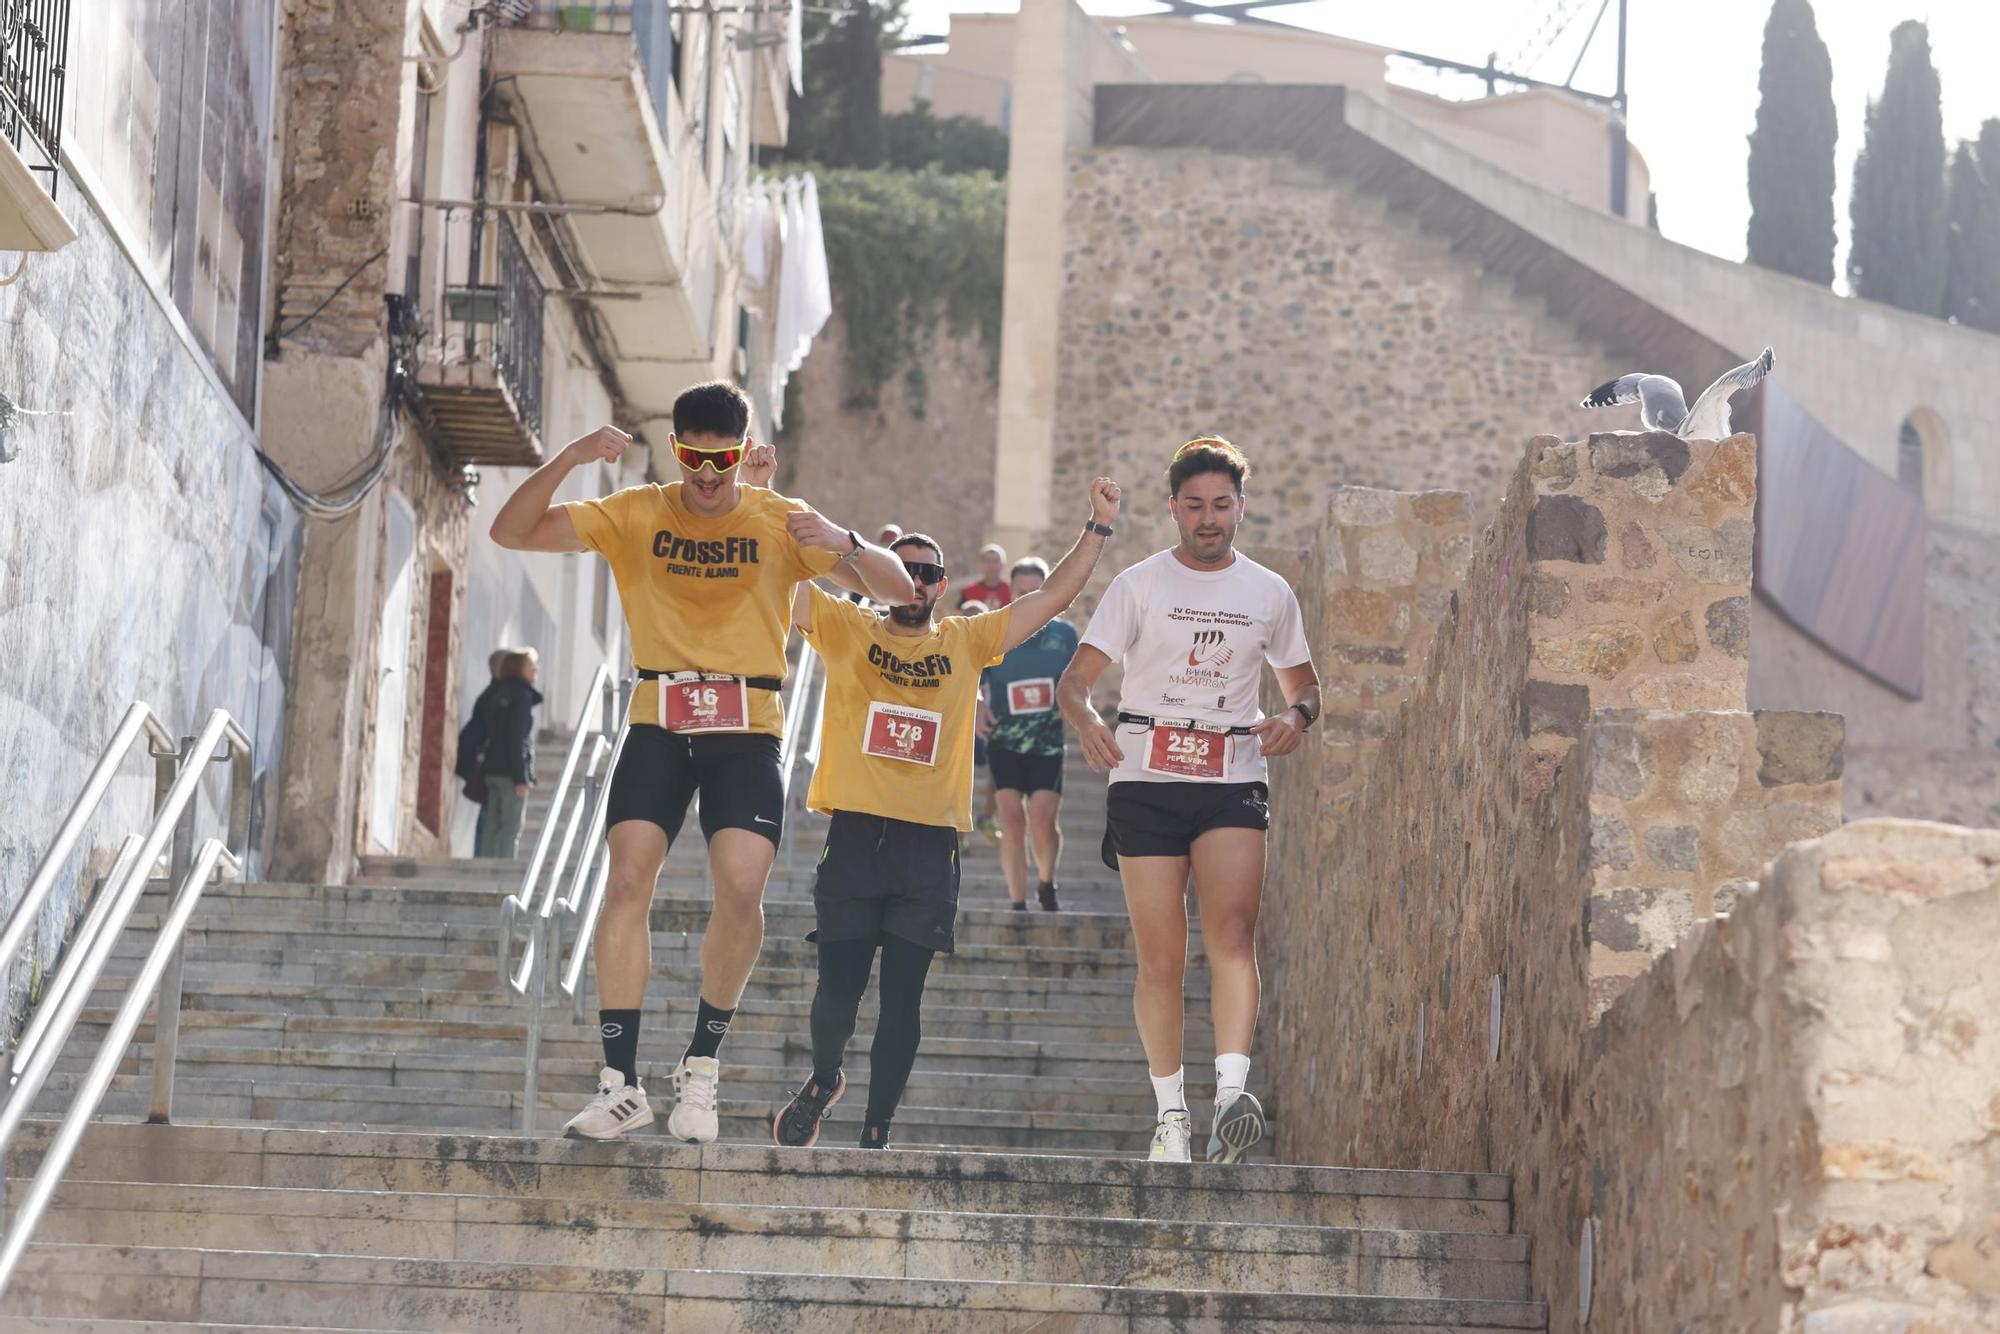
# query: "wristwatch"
1101,529
1306,712
855,554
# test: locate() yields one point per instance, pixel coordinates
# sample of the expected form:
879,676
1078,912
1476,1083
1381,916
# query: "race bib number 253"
1189,753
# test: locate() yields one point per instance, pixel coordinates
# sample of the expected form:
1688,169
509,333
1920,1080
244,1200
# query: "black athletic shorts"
1164,819
1015,772
880,877
659,772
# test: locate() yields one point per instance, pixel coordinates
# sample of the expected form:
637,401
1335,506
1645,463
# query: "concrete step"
471,972
656,1168
221,1285
495,1111
884,1243
490,1005
771,1083
660,1045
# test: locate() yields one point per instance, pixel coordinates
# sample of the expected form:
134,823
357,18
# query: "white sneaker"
1239,1128
1171,1139
693,1118
617,1108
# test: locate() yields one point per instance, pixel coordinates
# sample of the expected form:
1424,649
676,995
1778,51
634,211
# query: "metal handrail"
177,777
550,915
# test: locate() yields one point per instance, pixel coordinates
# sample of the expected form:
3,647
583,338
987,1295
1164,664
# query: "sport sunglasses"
715,460
923,571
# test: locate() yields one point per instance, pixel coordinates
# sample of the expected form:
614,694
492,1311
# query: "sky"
1691,75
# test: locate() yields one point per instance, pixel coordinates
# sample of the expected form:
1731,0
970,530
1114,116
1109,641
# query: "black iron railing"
503,321
649,21
34,43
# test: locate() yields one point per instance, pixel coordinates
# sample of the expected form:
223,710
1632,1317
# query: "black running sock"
710,1024
620,1031
1021,907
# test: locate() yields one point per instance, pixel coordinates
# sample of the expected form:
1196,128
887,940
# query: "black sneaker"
875,1135
796,1126
1020,907
1046,891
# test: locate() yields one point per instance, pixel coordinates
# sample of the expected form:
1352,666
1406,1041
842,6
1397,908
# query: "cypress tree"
1972,274
839,122
1898,250
1791,149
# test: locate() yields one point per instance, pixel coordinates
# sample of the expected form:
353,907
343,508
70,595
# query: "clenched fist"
810,528
605,444
1105,496
759,462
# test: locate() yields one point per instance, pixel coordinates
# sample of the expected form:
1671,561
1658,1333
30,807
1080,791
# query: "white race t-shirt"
1194,643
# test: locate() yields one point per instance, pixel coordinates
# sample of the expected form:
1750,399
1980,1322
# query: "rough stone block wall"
1642,546
1295,314
1686,808
1392,561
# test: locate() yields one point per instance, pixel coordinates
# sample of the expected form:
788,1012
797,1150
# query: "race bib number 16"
704,706
1189,753
899,733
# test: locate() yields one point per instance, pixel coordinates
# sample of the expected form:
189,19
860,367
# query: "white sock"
1232,1072
1170,1092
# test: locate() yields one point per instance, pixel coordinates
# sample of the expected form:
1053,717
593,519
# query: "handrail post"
167,1011
531,1087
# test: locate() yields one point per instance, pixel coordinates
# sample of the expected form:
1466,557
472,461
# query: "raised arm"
881,570
529,521
1031,611
1100,746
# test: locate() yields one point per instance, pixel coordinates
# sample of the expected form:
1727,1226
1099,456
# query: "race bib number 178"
899,733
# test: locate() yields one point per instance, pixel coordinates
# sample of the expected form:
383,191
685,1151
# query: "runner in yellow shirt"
706,570
895,773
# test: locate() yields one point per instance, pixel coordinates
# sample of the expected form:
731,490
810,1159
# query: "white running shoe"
617,1108
1239,1128
693,1118
1171,1139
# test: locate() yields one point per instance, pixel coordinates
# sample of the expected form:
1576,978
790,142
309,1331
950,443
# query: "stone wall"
926,466
1296,315
146,556
1395,559
1685,810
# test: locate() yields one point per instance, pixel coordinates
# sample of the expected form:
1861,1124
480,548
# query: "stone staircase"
345,1153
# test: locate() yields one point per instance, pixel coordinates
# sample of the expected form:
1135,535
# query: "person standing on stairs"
1193,626
505,717
895,775
1025,749
706,568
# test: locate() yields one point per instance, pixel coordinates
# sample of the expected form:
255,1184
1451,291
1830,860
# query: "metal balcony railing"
649,21
34,44
502,322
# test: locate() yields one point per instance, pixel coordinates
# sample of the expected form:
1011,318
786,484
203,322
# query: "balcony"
480,375
590,88
34,40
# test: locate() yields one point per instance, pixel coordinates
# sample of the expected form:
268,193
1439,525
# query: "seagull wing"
1624,389
1661,407
1709,418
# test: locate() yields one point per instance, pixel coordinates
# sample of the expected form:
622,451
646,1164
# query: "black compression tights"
843,976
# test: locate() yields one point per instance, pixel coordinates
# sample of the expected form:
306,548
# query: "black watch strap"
1101,529
1306,712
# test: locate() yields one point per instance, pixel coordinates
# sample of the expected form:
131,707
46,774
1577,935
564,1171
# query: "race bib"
1036,695
1190,753
705,706
899,733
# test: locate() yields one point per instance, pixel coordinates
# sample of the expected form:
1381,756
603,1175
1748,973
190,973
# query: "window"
1910,457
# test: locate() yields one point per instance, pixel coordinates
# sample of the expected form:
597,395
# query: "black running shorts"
880,877
1164,819
1015,772
659,772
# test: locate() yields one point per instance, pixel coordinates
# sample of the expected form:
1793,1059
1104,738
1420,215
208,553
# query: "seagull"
1662,407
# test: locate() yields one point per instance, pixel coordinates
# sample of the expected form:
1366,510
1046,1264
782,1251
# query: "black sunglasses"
924,572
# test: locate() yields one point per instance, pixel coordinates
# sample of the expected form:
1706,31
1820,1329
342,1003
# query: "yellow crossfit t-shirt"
702,594
937,672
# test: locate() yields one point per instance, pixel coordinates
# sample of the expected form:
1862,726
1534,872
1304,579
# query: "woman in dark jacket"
506,716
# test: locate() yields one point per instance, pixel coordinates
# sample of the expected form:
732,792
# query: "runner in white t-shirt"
1194,626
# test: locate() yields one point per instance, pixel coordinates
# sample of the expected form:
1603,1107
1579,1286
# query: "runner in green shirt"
1024,747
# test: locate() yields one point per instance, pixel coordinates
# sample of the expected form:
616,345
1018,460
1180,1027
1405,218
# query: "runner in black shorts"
706,568
895,774
1194,626
1025,748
